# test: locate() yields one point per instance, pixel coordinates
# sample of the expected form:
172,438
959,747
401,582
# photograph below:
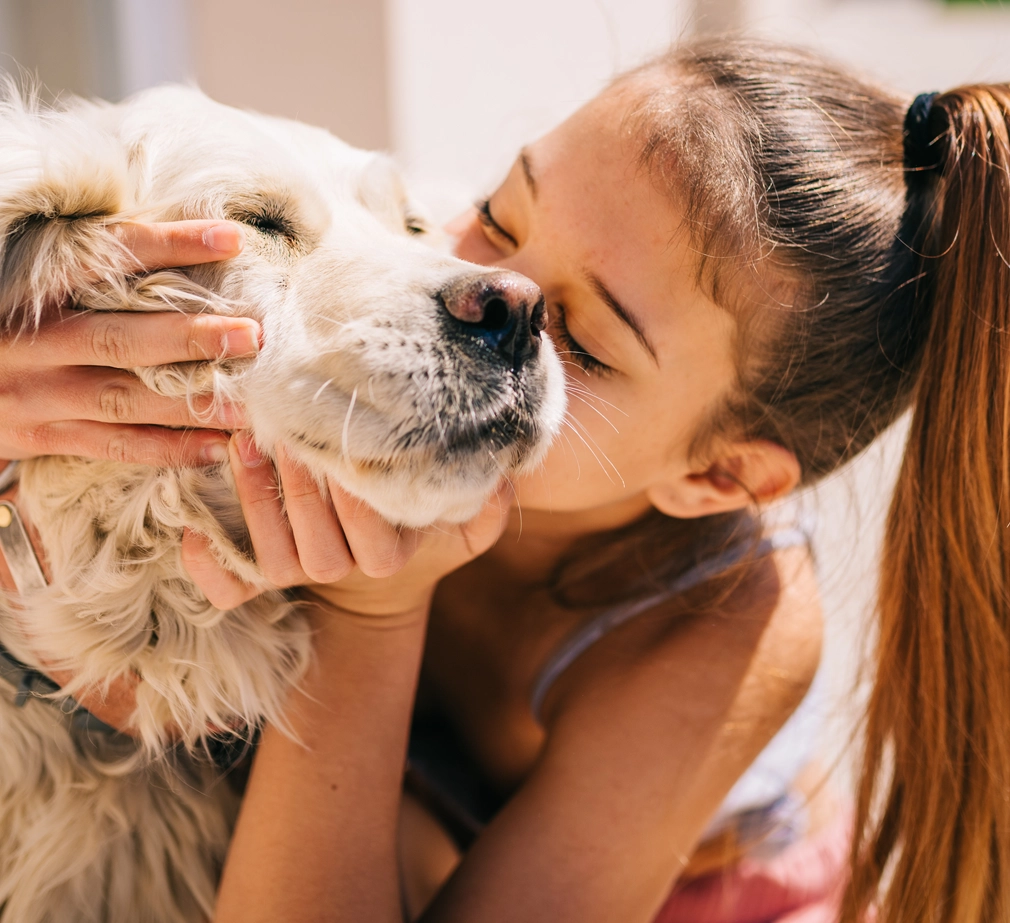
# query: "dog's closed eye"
270,224
269,218
414,224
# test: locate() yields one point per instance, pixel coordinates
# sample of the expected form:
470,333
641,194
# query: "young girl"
750,258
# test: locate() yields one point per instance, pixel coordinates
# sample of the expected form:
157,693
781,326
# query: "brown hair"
856,281
935,794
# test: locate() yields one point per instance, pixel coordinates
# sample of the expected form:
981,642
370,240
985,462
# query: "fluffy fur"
363,374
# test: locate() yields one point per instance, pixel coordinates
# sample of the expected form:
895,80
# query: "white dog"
414,379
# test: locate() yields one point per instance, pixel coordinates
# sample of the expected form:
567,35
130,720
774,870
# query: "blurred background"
454,87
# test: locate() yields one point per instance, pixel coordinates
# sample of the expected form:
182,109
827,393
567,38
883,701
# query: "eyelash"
562,334
485,217
573,347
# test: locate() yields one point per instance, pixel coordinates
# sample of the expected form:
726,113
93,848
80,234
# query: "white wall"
318,60
471,82
152,43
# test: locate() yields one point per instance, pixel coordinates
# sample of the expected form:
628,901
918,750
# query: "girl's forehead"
600,130
588,177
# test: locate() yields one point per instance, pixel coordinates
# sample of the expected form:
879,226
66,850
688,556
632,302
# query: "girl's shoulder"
761,637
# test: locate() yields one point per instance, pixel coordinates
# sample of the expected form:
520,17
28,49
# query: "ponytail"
933,813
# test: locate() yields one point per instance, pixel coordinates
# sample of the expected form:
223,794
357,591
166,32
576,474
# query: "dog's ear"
382,191
380,188
61,179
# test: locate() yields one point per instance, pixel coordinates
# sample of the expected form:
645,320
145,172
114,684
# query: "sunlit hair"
858,285
940,710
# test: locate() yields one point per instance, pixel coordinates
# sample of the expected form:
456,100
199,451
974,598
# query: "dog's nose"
504,309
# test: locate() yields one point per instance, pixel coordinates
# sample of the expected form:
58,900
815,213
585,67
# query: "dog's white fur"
361,373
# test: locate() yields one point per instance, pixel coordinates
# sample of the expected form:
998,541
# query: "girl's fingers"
272,539
322,549
142,445
59,393
111,396
379,549
221,587
125,340
306,540
160,245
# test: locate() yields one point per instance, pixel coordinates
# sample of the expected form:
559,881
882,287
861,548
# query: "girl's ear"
744,473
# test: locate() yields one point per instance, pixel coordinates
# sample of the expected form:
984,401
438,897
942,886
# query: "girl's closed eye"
489,223
568,346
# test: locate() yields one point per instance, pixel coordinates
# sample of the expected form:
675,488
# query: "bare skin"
640,746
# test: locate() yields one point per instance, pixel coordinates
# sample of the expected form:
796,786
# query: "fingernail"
241,341
231,415
224,238
214,453
248,453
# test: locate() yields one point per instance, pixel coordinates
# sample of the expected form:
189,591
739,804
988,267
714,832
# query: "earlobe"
746,473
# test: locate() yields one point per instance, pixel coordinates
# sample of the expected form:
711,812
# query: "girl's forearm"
316,837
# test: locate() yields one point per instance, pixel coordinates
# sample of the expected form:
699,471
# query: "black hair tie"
920,151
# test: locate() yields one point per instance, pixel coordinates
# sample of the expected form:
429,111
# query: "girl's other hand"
354,559
65,388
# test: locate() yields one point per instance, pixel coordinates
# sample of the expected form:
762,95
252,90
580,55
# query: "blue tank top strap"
587,635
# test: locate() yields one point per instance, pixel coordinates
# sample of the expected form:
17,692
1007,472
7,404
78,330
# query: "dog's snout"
504,309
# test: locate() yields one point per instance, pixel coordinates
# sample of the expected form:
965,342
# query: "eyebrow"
524,162
622,314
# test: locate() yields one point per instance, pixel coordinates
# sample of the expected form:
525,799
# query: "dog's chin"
442,483
417,499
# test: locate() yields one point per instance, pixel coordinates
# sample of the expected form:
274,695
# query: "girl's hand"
65,389
355,560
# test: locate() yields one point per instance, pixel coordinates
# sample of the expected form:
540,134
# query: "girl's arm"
317,835
316,838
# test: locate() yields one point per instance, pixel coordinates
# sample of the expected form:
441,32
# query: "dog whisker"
575,388
576,425
515,496
596,410
345,432
337,322
322,387
575,456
